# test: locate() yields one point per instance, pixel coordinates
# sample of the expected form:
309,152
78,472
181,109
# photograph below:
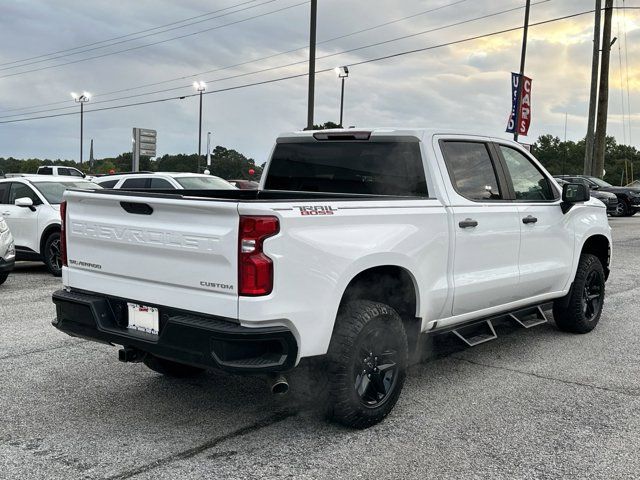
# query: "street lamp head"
342,72
200,86
81,97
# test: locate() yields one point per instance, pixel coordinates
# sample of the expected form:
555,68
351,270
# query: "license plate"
143,319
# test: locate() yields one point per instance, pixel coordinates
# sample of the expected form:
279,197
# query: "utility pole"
523,56
312,63
593,96
603,94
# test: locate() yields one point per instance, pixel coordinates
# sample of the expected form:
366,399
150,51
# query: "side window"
161,183
20,190
63,171
136,183
528,182
108,183
74,173
45,171
471,170
4,192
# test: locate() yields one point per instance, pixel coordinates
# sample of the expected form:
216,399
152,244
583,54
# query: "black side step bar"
482,330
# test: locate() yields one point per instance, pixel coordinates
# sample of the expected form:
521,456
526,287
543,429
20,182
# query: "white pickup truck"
356,243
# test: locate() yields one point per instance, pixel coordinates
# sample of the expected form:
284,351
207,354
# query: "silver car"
7,251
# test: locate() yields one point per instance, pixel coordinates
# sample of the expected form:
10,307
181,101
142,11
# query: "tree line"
622,162
225,163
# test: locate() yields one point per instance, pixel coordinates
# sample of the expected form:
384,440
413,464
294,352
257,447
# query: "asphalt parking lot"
534,403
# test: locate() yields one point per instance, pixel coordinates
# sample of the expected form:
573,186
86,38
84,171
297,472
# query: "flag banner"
520,101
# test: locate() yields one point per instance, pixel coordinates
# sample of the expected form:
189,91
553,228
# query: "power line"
371,60
340,37
127,35
154,43
404,37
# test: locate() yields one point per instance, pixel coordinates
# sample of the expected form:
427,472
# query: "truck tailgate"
154,249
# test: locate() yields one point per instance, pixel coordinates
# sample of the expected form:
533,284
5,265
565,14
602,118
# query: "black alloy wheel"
592,295
376,373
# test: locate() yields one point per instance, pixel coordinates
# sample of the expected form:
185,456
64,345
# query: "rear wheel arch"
391,285
599,246
53,228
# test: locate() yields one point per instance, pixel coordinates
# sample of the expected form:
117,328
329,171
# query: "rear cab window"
472,170
377,167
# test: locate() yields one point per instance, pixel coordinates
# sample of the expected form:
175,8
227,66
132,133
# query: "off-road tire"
572,313
51,260
170,368
361,325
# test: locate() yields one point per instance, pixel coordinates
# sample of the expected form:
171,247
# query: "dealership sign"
520,102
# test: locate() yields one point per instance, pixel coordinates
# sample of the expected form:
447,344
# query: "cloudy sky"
464,85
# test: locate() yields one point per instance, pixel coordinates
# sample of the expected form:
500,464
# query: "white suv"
164,180
31,208
7,251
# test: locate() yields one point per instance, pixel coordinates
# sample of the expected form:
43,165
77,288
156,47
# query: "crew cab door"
547,237
22,221
486,227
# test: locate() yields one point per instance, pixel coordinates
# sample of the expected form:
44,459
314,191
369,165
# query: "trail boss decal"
316,210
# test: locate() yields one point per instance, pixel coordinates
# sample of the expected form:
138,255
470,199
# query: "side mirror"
573,193
24,202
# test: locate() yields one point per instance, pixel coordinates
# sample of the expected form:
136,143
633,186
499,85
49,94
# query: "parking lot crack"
192,452
545,377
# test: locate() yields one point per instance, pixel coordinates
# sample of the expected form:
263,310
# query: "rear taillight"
63,233
255,269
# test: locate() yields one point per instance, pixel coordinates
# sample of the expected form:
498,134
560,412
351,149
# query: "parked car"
628,197
357,243
57,170
7,251
163,180
244,184
31,208
609,199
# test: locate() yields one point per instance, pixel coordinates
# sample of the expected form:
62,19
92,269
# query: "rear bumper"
186,337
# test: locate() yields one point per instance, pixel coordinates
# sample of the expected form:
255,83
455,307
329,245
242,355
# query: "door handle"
6,214
529,219
467,223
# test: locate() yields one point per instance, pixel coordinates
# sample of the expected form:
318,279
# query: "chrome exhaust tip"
278,385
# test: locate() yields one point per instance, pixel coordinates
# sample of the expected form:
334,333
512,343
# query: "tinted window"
471,170
528,182
20,190
160,183
45,171
75,173
108,183
135,183
4,191
53,191
63,171
374,168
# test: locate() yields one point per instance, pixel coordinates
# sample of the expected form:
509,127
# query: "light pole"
342,72
209,151
82,98
200,87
